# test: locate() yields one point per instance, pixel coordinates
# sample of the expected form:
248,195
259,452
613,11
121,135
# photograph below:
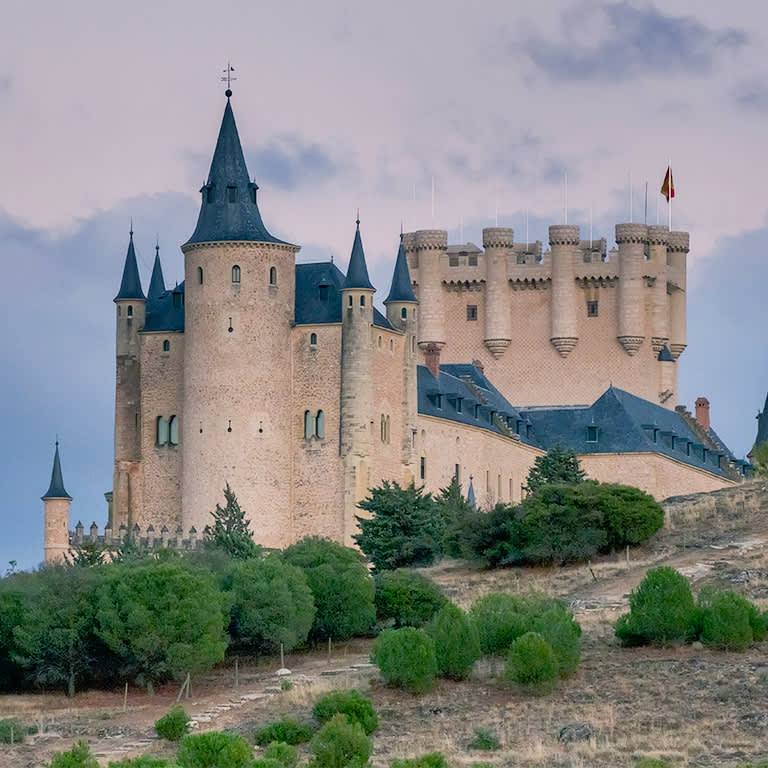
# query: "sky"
109,112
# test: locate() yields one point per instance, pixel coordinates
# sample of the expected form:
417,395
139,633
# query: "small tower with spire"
157,282
131,316
56,501
356,382
402,304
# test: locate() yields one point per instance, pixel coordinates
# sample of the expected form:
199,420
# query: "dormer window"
253,194
591,434
323,291
209,194
459,405
232,194
477,411
439,401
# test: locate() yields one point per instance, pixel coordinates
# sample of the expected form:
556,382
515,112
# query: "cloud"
753,96
639,41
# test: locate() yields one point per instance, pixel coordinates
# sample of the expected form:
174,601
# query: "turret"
401,304
563,240
356,383
658,300
498,243
131,316
428,246
677,251
631,239
56,501
239,310
157,282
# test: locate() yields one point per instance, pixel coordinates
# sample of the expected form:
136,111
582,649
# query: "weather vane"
228,78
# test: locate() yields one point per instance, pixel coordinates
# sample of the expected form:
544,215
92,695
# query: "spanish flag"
668,187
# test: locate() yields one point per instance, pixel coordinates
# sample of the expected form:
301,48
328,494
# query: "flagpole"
526,229
565,197
669,195
433,199
645,221
630,197
590,227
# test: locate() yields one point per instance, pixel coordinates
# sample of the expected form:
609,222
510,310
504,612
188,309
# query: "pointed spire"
56,488
130,287
401,289
157,283
357,272
229,210
471,494
665,356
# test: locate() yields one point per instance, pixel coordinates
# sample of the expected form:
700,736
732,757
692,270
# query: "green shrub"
430,760
558,627
629,515
78,757
758,620
288,730
340,744
457,645
725,620
406,658
285,754
341,587
144,761
662,611
486,739
356,707
407,597
12,731
174,725
531,661
266,762
500,620
215,750
461,521
271,604
651,762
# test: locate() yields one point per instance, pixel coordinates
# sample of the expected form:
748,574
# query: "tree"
460,521
271,603
557,465
457,643
162,620
86,555
231,530
406,597
759,457
342,588
404,527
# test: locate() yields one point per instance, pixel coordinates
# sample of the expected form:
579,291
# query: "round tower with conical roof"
239,308
56,515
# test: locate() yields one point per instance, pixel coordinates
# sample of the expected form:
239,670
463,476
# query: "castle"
285,381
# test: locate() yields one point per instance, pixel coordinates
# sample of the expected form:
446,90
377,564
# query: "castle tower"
56,501
429,246
356,383
401,304
237,424
631,239
563,239
157,282
131,315
498,242
667,377
678,248
658,300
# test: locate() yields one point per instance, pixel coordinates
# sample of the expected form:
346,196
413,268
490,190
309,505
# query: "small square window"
591,309
472,259
471,312
453,259
232,194
323,292
591,434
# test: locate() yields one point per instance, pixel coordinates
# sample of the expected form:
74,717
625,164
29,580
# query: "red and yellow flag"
668,187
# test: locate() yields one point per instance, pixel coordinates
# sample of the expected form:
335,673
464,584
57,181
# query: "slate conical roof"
665,356
357,272
471,495
229,210
56,488
157,283
401,289
130,286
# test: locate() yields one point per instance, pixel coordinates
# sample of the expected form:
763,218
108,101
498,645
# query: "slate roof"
130,285
157,282
56,488
401,289
762,424
220,219
357,271
166,312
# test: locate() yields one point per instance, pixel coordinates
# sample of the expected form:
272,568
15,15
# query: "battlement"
149,539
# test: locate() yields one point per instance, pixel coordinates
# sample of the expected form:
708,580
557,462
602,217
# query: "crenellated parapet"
679,242
564,234
631,233
430,240
151,539
658,234
498,237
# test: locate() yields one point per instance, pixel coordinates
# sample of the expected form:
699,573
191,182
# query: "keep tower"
56,501
239,309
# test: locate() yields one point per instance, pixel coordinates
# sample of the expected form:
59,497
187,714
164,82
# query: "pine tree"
558,465
231,531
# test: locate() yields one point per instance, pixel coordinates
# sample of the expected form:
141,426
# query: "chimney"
432,359
702,412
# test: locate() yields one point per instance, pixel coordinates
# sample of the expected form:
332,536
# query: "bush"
531,661
144,761
500,619
356,707
430,760
650,762
558,627
461,521
174,725
407,597
406,658
403,527
215,750
662,611
271,604
284,754
340,744
486,739
266,762
457,646
12,731
557,466
78,757
341,587
725,620
287,730
629,515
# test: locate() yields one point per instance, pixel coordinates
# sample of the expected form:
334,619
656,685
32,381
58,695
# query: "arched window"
200,275
173,430
404,313
320,425
309,425
362,301
130,310
350,301
273,275
166,346
162,431
313,339
236,274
